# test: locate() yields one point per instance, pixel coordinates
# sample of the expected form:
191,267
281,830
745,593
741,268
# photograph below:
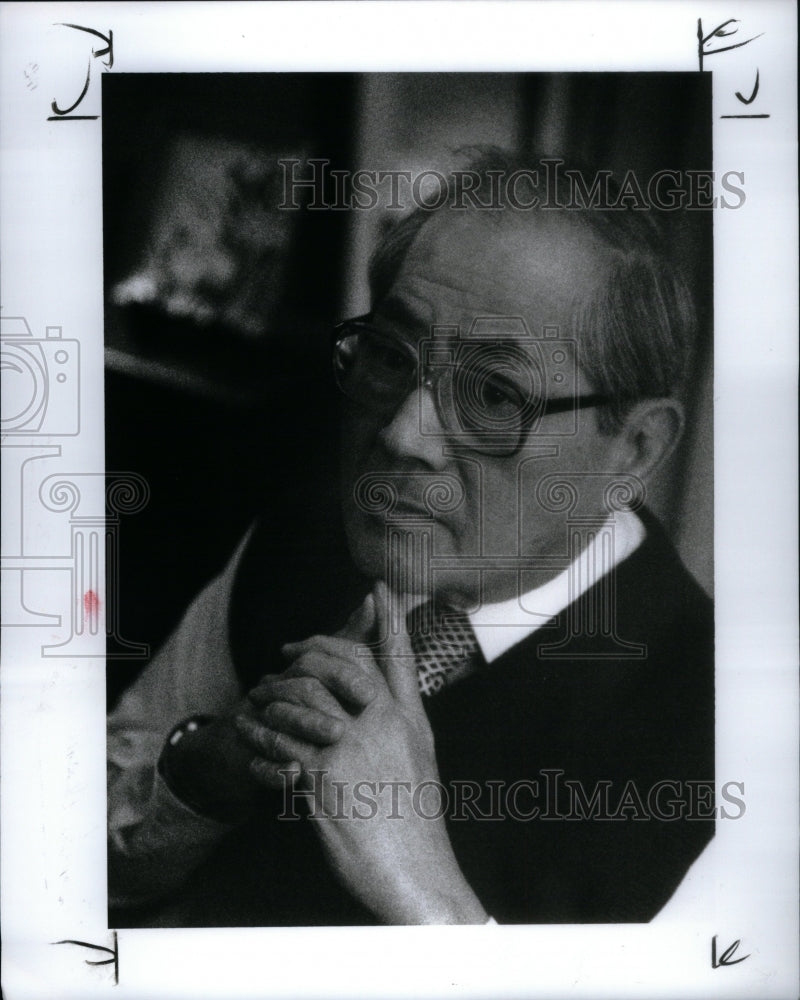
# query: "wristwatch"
187,727
180,778
183,731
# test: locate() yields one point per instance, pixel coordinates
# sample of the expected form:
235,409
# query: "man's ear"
651,430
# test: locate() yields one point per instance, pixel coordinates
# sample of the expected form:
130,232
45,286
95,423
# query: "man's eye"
384,357
391,359
497,394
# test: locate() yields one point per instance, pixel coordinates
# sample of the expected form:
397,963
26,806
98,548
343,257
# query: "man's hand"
290,715
395,858
222,768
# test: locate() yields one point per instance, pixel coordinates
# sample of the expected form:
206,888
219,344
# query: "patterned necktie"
444,646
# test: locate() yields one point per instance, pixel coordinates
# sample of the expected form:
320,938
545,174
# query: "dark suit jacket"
588,719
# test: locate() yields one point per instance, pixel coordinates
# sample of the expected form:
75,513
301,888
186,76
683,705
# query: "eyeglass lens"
486,393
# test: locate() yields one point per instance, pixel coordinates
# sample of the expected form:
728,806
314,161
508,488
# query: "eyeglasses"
489,394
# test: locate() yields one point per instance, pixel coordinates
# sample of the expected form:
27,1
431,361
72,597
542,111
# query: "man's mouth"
408,496
405,513
409,509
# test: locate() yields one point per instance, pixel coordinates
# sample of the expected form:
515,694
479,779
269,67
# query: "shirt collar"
500,626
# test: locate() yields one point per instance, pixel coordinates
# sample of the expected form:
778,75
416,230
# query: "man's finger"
333,662
332,645
307,691
303,723
270,743
275,775
361,624
395,659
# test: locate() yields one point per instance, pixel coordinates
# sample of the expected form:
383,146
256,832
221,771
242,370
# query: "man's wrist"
453,906
443,898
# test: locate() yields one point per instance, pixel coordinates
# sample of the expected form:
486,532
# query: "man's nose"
403,436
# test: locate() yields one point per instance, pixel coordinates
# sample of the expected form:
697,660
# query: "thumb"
361,623
395,656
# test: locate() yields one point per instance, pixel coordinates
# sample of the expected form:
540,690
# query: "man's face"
460,268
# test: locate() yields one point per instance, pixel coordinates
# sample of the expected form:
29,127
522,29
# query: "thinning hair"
636,332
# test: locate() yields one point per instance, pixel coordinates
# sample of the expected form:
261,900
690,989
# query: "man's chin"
403,561
402,572
401,558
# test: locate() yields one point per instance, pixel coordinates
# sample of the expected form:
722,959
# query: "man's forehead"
463,266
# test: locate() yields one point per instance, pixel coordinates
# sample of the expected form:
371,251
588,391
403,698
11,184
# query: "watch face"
188,726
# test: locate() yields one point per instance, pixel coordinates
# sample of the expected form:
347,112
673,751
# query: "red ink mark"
91,604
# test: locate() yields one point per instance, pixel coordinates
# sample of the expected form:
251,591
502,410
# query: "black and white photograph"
456,486
399,558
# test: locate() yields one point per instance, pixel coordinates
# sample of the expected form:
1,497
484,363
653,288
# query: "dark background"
249,413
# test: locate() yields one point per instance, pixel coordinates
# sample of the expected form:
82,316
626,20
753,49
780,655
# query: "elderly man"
505,707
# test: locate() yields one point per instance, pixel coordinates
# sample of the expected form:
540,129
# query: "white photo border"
53,709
